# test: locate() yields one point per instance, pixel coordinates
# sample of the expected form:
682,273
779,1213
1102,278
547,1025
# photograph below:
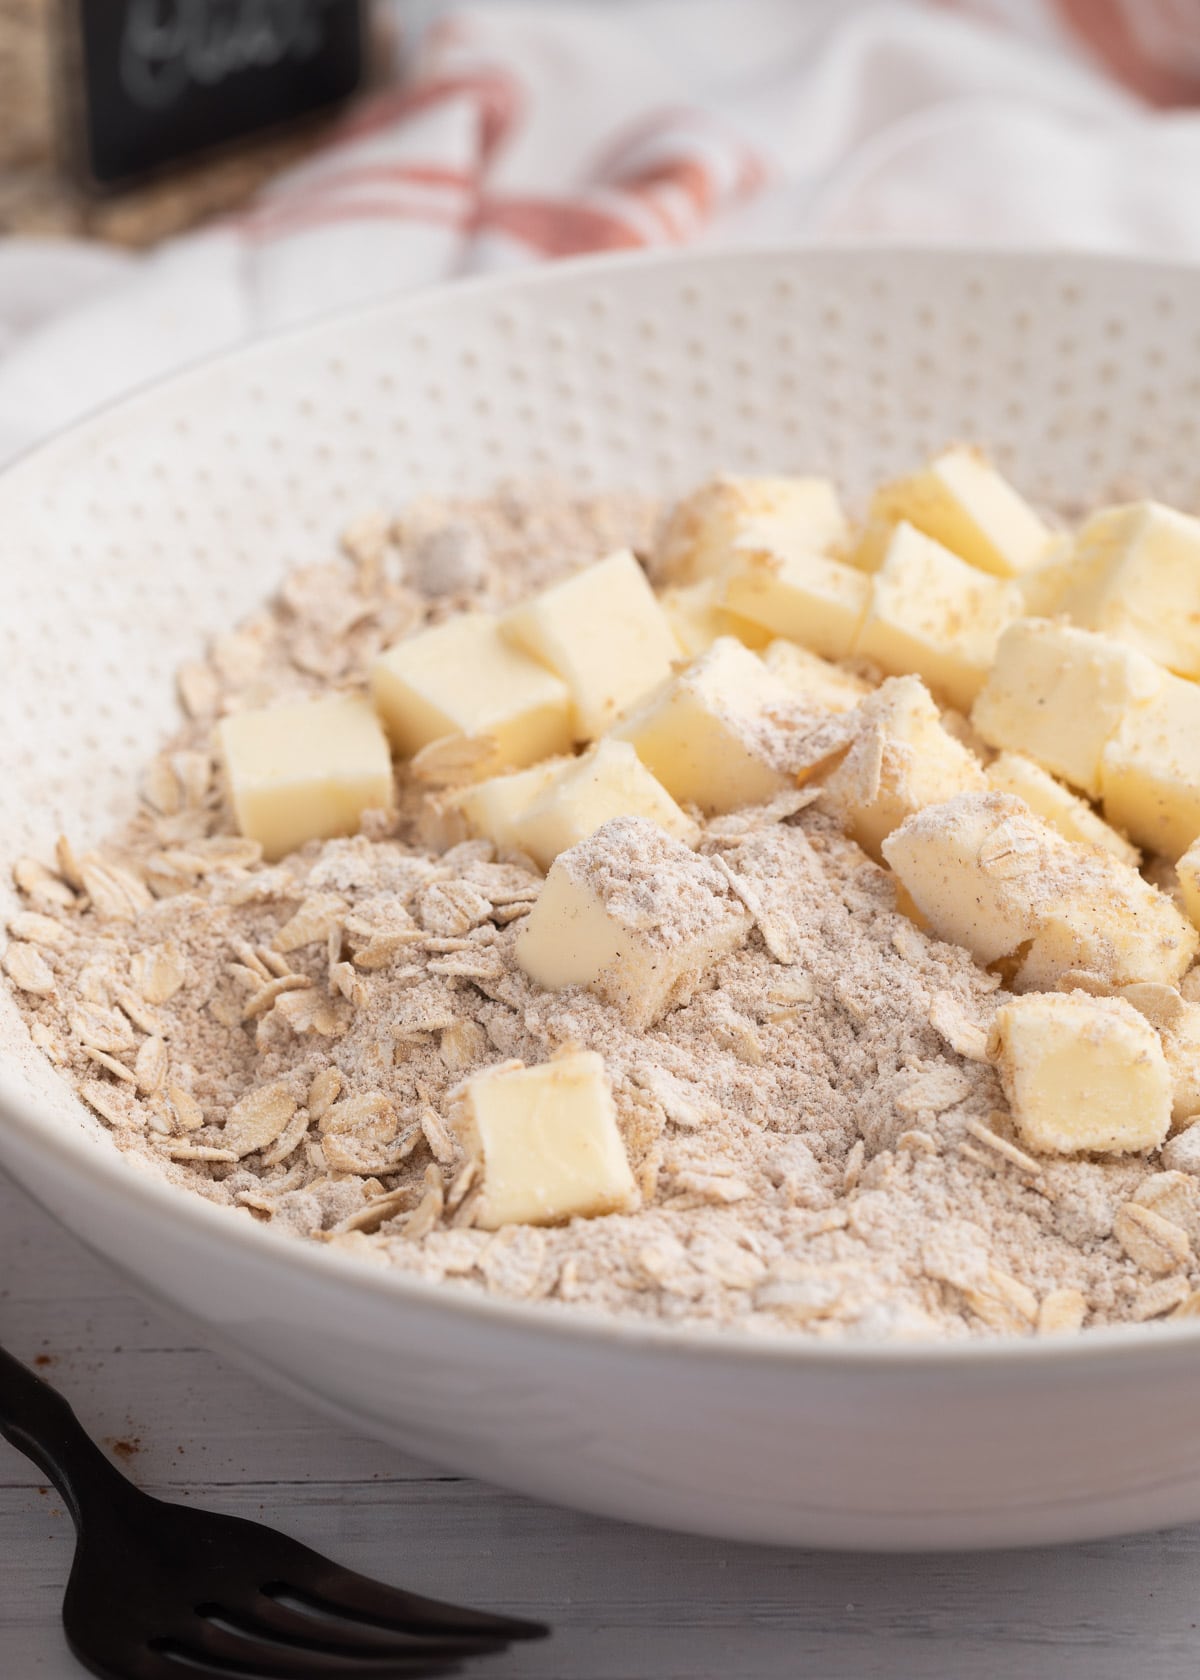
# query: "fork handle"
40,1424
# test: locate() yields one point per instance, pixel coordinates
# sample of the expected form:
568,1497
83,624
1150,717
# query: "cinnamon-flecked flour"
818,1141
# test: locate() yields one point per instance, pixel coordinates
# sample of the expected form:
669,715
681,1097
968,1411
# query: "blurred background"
179,175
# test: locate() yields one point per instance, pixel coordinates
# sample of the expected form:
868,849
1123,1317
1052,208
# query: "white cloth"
519,130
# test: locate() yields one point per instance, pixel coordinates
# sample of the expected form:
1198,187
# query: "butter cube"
812,677
705,529
546,1143
634,916
902,760
1110,924
463,679
1057,694
962,502
992,877
702,733
1150,770
495,808
305,771
609,781
1082,1073
697,617
1139,580
1177,1023
932,613
976,868
1066,812
1188,871
794,591
603,632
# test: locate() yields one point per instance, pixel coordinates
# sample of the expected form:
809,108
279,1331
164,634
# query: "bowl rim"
564,269
577,1323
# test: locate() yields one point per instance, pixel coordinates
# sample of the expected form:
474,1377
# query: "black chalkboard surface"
156,80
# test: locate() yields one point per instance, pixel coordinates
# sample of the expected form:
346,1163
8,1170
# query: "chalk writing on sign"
169,45
163,79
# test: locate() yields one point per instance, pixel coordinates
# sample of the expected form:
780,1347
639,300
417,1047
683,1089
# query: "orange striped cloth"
438,149
520,130
645,173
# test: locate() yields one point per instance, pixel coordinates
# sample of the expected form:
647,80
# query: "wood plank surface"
626,1603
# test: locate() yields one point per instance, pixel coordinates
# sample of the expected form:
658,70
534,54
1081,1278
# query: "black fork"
165,1592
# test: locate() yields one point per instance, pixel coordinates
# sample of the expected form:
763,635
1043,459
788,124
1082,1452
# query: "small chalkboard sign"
157,80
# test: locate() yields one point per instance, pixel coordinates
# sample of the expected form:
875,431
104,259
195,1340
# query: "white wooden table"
626,1603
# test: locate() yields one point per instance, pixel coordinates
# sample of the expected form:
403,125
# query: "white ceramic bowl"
124,543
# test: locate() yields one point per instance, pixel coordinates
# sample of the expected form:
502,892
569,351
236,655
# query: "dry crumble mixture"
818,1141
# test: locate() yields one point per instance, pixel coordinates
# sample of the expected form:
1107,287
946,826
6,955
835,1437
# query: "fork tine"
274,1621
333,1591
217,1651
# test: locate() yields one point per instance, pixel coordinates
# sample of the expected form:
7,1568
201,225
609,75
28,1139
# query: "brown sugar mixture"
817,1137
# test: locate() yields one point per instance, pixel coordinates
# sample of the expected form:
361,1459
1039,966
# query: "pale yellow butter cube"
808,675
463,679
796,592
1188,871
603,632
609,781
976,868
697,617
962,502
992,877
305,771
546,1143
1177,1023
704,530
932,613
1108,923
701,735
1139,580
1057,694
495,808
1082,1073
1071,816
901,760
1150,770
634,916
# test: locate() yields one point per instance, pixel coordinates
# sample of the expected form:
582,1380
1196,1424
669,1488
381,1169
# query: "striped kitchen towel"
520,130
